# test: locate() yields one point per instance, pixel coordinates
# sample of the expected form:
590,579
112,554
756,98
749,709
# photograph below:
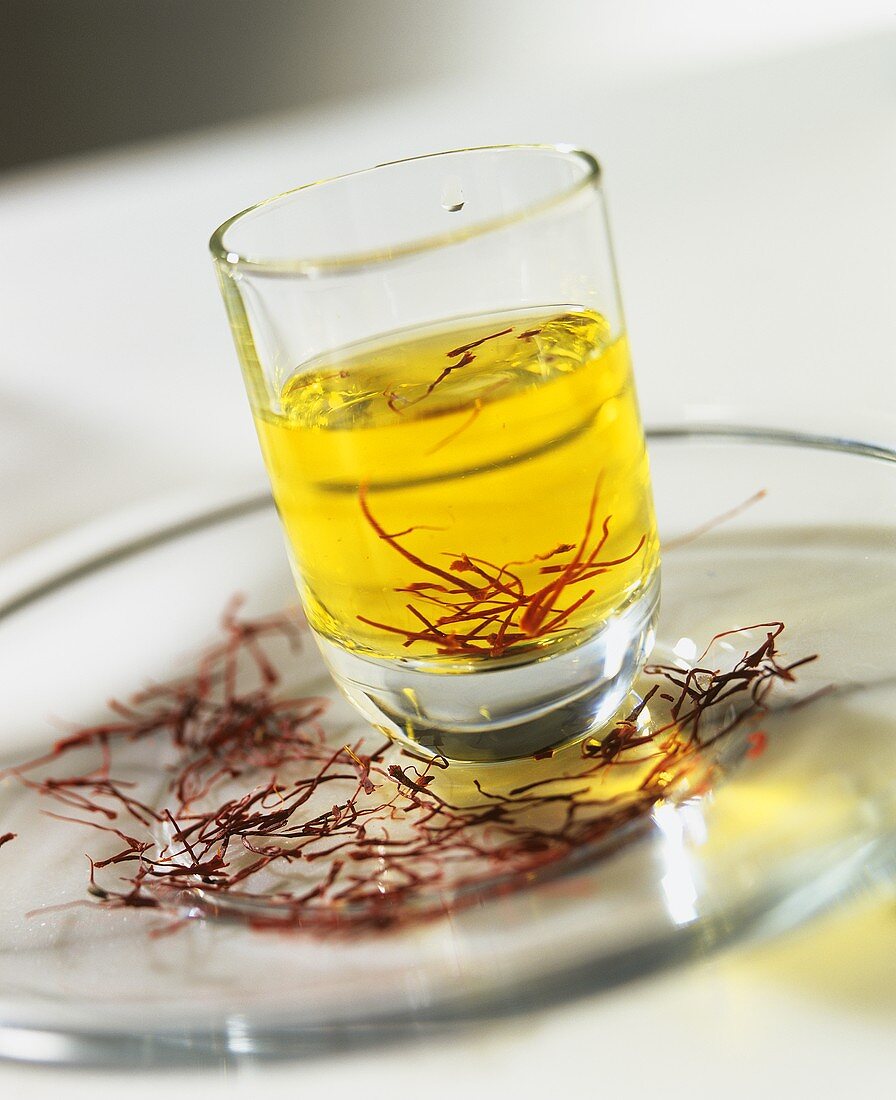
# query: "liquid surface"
468,493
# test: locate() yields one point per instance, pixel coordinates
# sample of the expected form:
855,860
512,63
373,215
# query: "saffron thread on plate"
267,821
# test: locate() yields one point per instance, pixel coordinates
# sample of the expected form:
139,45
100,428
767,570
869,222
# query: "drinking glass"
437,366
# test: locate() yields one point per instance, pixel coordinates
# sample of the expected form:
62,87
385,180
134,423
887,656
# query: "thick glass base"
507,710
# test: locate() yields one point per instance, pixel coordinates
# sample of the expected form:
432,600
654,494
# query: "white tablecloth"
755,224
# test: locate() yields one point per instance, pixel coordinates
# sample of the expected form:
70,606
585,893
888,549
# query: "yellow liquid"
467,493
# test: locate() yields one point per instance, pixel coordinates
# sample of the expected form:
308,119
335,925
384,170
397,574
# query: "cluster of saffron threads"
473,606
265,820
459,358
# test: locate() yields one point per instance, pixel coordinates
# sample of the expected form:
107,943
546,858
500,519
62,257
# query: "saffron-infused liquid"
465,495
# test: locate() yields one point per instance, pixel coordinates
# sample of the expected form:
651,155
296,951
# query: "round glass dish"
777,836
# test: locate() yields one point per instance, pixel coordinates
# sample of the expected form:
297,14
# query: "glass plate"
778,836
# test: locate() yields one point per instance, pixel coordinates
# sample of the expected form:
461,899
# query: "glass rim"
232,260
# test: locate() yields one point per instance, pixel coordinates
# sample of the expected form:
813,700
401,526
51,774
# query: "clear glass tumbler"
437,365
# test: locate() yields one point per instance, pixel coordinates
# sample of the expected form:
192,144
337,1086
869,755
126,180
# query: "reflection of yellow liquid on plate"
795,816
462,490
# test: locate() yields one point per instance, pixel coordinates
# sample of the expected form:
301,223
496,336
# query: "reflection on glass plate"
792,807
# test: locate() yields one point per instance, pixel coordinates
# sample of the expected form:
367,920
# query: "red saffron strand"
405,553
716,521
465,349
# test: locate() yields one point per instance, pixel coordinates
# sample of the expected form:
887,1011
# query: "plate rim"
54,562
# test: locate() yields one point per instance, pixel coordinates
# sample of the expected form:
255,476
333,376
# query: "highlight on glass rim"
445,404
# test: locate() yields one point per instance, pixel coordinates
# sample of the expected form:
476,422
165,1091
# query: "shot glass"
437,365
